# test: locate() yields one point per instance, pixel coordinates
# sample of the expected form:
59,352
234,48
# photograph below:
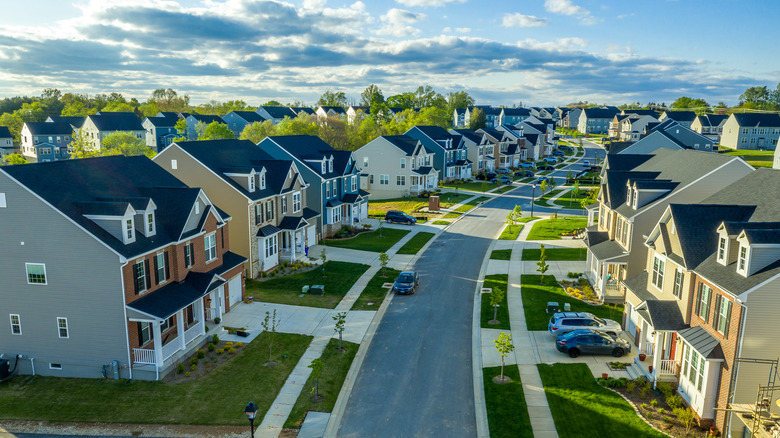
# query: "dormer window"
330,165
629,197
149,224
251,183
722,242
635,202
129,231
323,166
262,181
742,260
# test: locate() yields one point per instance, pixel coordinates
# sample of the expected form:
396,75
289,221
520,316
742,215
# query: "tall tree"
116,143
425,96
272,103
477,119
257,131
459,100
32,112
14,123
333,98
213,131
371,96
169,100
403,100
754,97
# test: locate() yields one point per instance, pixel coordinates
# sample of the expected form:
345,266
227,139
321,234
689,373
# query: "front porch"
604,278
424,182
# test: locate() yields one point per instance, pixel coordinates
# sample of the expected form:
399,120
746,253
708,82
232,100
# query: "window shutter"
140,334
156,272
148,274
728,320
698,300
192,254
167,267
716,318
135,278
707,306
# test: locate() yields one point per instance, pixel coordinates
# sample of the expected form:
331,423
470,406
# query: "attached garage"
235,291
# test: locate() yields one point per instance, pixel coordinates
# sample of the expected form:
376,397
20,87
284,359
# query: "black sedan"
591,342
406,283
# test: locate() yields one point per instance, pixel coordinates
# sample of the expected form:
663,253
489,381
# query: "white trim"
11,320
206,250
55,366
59,329
27,274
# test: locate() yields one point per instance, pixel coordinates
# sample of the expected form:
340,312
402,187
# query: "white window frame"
142,289
678,283
742,259
271,245
657,278
323,166
55,366
159,265
284,204
262,181
327,189
296,200
722,317
17,324
336,214
60,327
722,249
403,163
129,230
45,277
354,183
251,181
330,165
365,161
208,249
150,223
400,180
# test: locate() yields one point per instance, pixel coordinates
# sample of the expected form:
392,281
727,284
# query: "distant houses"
751,131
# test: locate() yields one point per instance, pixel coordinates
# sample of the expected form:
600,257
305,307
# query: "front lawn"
580,406
370,240
217,398
553,254
495,281
452,215
415,244
338,279
551,229
373,294
536,297
472,203
511,232
334,371
501,254
570,200
412,204
476,186
504,189
542,200
506,409
527,219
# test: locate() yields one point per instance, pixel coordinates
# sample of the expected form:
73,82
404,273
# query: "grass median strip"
551,229
212,399
373,294
556,254
338,278
413,204
335,368
579,404
506,409
369,241
496,282
415,244
543,200
505,188
472,203
511,232
501,254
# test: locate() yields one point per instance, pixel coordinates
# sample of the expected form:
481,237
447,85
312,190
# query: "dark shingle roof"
712,119
75,121
163,121
298,109
607,250
248,116
49,128
437,135
638,285
641,112
702,341
4,132
116,121
757,119
681,116
311,147
665,315
403,142
469,134
745,192
517,112
280,112
207,118
600,113
335,109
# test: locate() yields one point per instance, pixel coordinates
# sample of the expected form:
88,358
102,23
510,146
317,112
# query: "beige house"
99,125
751,131
265,197
394,166
710,125
635,191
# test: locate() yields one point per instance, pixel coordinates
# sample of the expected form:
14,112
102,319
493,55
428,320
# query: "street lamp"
251,411
533,198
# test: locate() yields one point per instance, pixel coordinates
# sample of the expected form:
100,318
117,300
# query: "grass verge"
441,222
339,278
373,294
335,368
413,204
472,203
570,200
528,219
511,232
415,244
501,254
495,281
580,404
506,409
551,229
555,254
452,215
537,293
542,200
504,189
212,399
370,240
477,186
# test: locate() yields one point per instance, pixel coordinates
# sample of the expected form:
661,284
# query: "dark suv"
591,342
406,283
564,322
400,217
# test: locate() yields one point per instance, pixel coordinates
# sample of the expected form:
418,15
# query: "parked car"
527,164
400,217
505,179
480,176
544,167
491,176
542,178
565,148
550,160
524,173
563,322
591,342
586,163
558,153
406,282
504,171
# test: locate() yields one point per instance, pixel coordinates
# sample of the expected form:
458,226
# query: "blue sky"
545,52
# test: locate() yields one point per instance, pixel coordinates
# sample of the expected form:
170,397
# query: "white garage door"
234,289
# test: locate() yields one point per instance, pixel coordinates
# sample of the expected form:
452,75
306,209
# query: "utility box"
4,371
433,203
317,289
552,307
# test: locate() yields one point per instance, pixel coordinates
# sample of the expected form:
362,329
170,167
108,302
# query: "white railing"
613,290
668,367
170,348
192,333
143,355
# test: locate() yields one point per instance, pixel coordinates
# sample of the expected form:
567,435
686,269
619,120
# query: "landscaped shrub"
188,374
231,350
193,367
630,386
643,406
217,320
220,351
194,361
667,419
201,354
239,344
215,339
665,388
574,274
228,345
180,368
645,390
674,401
211,346
661,411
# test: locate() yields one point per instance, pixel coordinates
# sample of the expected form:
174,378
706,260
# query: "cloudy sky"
542,52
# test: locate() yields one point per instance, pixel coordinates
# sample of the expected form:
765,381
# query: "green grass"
501,254
527,180
452,215
339,278
216,398
415,244
476,186
749,152
551,229
544,172
374,292
506,409
504,189
440,222
472,203
413,204
570,200
543,200
760,163
370,240
495,281
554,254
528,219
536,297
511,232
579,404
335,368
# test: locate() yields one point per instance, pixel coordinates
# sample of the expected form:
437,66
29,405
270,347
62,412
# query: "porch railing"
170,348
668,367
192,333
143,355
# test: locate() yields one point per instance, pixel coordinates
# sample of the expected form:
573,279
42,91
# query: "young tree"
324,257
316,366
124,143
504,346
543,186
552,183
383,259
496,298
574,192
270,324
181,129
542,263
514,216
214,131
257,131
341,319
569,177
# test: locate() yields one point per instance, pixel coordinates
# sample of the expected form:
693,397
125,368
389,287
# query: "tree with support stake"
496,298
269,324
504,346
324,257
542,263
514,216
341,319
383,259
316,366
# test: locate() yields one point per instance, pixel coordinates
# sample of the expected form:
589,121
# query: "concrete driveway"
597,364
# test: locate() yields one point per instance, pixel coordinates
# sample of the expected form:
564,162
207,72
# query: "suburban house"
160,130
298,110
458,117
6,142
45,141
266,197
325,112
238,120
525,148
684,118
572,118
356,113
666,136
502,147
710,125
629,127
450,154
708,298
513,116
595,120
560,116
751,131
75,121
541,112
635,191
396,166
475,152
277,113
331,176
111,272
99,125
196,120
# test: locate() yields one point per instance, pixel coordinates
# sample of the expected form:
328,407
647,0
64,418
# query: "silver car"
564,322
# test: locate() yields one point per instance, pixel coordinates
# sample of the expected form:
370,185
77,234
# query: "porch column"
220,300
292,246
603,280
658,344
199,310
180,328
588,263
158,359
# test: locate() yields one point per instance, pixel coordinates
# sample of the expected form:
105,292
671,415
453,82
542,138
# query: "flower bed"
204,360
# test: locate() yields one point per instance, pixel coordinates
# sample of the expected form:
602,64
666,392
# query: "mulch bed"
211,361
672,427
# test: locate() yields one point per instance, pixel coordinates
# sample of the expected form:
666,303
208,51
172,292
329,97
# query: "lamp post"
533,198
251,411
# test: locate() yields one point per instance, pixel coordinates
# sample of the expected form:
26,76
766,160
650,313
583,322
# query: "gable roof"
469,134
280,112
641,112
403,142
757,119
308,148
75,121
335,109
116,121
248,116
600,113
299,109
5,132
712,119
436,135
49,128
680,116
166,121
206,118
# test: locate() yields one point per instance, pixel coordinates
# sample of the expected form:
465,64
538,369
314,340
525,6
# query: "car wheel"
618,352
389,221
409,223
574,353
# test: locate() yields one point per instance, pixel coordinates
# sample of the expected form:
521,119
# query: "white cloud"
520,20
463,29
567,7
398,22
432,3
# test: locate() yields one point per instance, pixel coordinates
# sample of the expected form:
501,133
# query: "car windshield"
600,321
570,334
405,278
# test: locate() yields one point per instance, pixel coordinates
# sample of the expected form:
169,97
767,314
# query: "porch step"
633,372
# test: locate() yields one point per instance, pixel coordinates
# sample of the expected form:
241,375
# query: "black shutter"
716,318
135,278
167,267
192,254
156,272
698,301
148,274
140,334
728,320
